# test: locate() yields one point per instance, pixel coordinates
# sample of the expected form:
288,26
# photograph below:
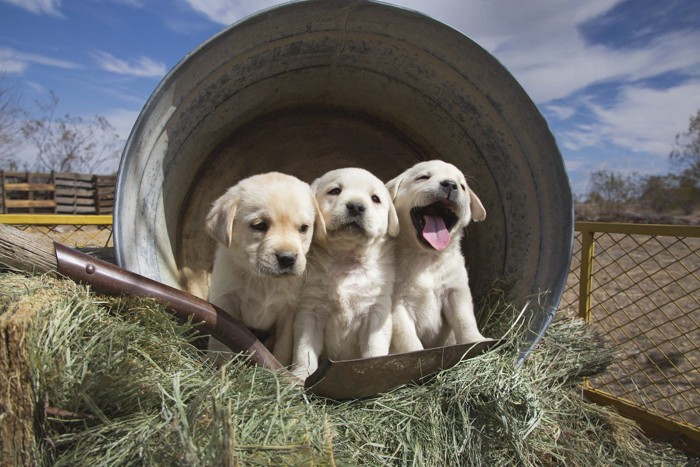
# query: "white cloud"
500,25
143,67
575,164
122,120
39,7
562,72
11,66
562,112
131,3
15,62
647,120
228,11
35,87
540,43
584,136
642,119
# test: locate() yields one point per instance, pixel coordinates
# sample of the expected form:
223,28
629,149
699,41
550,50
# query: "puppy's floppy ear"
393,186
478,211
315,185
220,217
393,229
320,233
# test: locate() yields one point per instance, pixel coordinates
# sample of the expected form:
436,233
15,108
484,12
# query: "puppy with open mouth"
345,309
264,225
432,303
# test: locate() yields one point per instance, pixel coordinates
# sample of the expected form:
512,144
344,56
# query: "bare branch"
70,143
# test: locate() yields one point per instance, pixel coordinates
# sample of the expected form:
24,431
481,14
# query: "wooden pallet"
57,193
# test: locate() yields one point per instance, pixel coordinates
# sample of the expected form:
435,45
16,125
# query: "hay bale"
17,412
18,408
121,384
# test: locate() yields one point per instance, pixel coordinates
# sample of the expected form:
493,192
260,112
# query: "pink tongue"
435,232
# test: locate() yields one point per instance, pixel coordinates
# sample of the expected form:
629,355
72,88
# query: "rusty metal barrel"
311,86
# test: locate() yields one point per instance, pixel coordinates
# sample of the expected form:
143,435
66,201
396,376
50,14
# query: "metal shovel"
349,379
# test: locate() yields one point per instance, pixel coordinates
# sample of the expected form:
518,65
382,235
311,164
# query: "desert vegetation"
671,198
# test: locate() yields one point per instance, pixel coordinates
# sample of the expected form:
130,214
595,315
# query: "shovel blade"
365,377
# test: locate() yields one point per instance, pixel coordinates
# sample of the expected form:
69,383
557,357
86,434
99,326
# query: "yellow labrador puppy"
264,225
345,311
432,303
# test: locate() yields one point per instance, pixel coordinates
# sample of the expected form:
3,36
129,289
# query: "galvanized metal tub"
311,86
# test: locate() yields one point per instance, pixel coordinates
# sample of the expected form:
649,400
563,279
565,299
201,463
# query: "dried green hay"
119,382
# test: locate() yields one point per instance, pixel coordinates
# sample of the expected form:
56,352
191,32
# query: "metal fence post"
586,275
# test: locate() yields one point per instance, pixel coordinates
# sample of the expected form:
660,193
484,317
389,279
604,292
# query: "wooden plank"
62,192
73,176
28,176
87,179
30,203
28,187
74,186
63,209
24,175
75,202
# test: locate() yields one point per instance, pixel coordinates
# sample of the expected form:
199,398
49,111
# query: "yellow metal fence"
75,231
638,285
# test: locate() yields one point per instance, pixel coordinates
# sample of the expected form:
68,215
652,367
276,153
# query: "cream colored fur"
432,303
264,225
345,311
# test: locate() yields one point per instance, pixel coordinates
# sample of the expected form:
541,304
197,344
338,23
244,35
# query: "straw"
123,383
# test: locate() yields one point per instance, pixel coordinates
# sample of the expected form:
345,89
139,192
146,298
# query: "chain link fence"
87,232
639,286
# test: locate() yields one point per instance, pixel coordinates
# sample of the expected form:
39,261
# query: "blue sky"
616,80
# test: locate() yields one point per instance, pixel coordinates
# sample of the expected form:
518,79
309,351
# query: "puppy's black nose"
286,260
449,184
355,208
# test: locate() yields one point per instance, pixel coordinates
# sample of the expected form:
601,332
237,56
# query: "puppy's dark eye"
464,187
259,226
304,228
423,177
376,199
335,191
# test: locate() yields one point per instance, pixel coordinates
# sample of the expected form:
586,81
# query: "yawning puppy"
345,310
264,224
432,303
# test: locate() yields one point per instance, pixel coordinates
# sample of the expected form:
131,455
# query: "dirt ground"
646,303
